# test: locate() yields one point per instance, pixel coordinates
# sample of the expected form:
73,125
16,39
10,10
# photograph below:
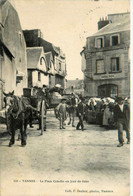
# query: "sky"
67,23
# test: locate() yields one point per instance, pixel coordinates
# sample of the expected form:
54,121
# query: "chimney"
102,23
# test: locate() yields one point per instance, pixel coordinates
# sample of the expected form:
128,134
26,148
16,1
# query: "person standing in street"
62,113
126,111
80,114
120,119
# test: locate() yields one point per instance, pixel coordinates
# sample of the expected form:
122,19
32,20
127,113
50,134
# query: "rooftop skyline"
67,23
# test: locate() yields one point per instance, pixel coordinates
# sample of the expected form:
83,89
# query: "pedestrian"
107,116
120,119
80,114
62,113
126,111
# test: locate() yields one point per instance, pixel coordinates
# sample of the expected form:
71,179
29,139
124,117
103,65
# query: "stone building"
34,38
106,60
13,62
76,86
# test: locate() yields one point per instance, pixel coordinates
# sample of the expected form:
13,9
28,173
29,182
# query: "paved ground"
65,162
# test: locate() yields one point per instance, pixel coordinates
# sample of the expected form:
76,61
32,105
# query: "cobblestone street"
65,162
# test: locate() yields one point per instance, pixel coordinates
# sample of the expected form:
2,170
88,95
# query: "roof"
114,28
48,56
33,40
50,47
2,2
33,56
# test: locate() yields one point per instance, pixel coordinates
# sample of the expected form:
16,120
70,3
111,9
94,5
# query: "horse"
72,102
19,113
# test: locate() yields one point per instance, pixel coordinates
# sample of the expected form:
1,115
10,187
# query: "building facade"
76,86
38,70
34,38
13,62
106,58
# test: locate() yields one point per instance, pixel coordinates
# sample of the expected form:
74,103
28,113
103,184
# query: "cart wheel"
42,117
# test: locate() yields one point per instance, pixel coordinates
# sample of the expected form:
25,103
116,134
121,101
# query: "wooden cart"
40,106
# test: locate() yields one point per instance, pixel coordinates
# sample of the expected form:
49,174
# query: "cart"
39,103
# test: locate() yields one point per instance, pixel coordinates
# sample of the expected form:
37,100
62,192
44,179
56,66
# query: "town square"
65,91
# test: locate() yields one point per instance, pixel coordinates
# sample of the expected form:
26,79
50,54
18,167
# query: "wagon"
39,103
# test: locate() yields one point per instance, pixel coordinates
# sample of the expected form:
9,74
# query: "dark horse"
19,112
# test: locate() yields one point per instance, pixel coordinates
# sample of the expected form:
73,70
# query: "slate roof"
33,56
114,28
48,57
50,47
2,2
32,40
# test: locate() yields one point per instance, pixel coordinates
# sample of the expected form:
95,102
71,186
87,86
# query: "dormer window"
99,42
114,40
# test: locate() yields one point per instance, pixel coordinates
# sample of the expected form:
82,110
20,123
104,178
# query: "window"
59,66
99,42
114,40
40,61
113,91
108,90
100,68
115,65
39,76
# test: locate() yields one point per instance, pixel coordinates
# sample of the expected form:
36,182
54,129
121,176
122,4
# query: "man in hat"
120,119
80,113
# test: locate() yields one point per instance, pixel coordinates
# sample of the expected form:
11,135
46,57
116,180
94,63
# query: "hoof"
23,143
11,143
120,145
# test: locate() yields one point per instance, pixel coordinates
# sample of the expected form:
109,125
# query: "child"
62,113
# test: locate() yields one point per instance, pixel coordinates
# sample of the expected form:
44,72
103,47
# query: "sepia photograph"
65,91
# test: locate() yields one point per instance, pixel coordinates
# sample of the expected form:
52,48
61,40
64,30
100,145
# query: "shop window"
100,67
108,90
113,91
115,64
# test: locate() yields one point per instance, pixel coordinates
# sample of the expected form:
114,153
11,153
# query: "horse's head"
11,102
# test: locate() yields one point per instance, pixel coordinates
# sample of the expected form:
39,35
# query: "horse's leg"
22,130
12,130
25,128
69,114
73,114
45,126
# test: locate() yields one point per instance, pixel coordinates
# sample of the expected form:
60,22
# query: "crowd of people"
107,112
